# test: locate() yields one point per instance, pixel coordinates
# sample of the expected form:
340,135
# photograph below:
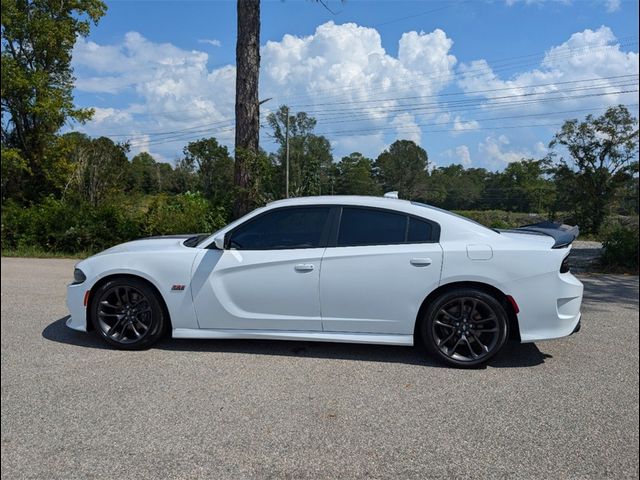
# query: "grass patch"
37,252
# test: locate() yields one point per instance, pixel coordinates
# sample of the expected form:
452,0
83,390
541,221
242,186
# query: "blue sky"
475,82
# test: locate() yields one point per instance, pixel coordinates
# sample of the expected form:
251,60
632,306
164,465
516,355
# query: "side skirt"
340,337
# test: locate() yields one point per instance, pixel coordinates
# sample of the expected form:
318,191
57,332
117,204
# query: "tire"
465,327
128,314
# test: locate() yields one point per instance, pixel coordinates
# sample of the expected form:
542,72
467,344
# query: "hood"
166,242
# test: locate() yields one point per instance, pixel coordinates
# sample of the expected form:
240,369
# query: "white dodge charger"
337,269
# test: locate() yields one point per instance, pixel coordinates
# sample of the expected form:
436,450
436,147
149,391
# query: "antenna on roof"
393,194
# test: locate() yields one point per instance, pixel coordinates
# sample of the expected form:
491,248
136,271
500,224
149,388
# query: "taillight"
564,266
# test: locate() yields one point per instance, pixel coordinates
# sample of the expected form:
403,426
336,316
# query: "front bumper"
75,304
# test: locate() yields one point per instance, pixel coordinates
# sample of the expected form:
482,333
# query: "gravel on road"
73,408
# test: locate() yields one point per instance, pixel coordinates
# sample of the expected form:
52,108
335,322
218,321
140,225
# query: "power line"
472,92
501,100
414,106
415,15
355,132
461,130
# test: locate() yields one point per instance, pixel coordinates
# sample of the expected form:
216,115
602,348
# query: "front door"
268,276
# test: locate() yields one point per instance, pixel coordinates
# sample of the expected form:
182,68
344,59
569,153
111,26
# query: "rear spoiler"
564,235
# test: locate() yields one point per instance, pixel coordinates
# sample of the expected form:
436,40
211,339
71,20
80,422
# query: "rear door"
377,270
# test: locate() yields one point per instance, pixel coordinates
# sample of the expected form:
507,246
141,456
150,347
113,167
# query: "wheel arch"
499,295
114,276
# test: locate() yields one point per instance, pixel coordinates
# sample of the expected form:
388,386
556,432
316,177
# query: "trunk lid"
563,235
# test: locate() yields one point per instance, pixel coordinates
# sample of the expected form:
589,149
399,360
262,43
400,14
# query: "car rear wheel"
465,327
127,314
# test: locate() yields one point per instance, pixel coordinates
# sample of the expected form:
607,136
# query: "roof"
406,206
342,200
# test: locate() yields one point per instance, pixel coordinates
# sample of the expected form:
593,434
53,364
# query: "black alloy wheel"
127,314
465,327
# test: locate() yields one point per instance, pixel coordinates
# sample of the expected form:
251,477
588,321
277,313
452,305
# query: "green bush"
58,226
500,218
184,213
620,244
66,227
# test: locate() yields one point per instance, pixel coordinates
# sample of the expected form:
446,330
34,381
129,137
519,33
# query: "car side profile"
337,269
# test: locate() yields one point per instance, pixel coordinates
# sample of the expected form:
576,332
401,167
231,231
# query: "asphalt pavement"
73,408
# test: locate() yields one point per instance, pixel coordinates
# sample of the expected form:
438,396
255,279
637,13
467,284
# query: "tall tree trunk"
247,103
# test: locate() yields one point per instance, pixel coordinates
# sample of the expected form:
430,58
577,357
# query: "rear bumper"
578,327
549,306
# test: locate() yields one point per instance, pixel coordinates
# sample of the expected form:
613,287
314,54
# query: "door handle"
303,267
420,262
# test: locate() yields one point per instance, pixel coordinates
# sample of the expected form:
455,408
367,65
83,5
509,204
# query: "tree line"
588,185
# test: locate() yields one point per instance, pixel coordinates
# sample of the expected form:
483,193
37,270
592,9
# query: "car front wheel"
465,327
127,314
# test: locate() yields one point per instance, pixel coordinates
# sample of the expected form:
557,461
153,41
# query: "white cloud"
213,42
589,55
461,125
347,63
460,155
342,75
173,89
110,116
406,128
370,145
496,152
611,5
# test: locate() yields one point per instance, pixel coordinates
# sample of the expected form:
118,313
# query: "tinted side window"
360,226
419,231
285,228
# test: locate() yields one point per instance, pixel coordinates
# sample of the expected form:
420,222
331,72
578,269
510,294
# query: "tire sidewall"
430,316
157,313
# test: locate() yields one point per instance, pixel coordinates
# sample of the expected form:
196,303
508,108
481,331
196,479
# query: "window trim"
333,239
324,235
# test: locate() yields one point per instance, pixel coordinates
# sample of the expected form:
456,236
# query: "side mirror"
218,241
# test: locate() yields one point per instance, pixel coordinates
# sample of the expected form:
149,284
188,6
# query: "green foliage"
99,167
58,226
354,175
13,166
310,159
602,152
37,85
403,167
456,187
214,168
524,187
184,213
144,174
621,247
500,218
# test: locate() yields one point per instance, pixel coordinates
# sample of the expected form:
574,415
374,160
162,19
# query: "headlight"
78,276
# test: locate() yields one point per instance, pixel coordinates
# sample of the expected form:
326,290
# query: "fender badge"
177,288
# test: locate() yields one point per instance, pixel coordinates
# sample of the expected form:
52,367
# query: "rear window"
419,231
367,226
359,226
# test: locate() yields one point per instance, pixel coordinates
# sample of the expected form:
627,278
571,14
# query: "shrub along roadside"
621,245
57,227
